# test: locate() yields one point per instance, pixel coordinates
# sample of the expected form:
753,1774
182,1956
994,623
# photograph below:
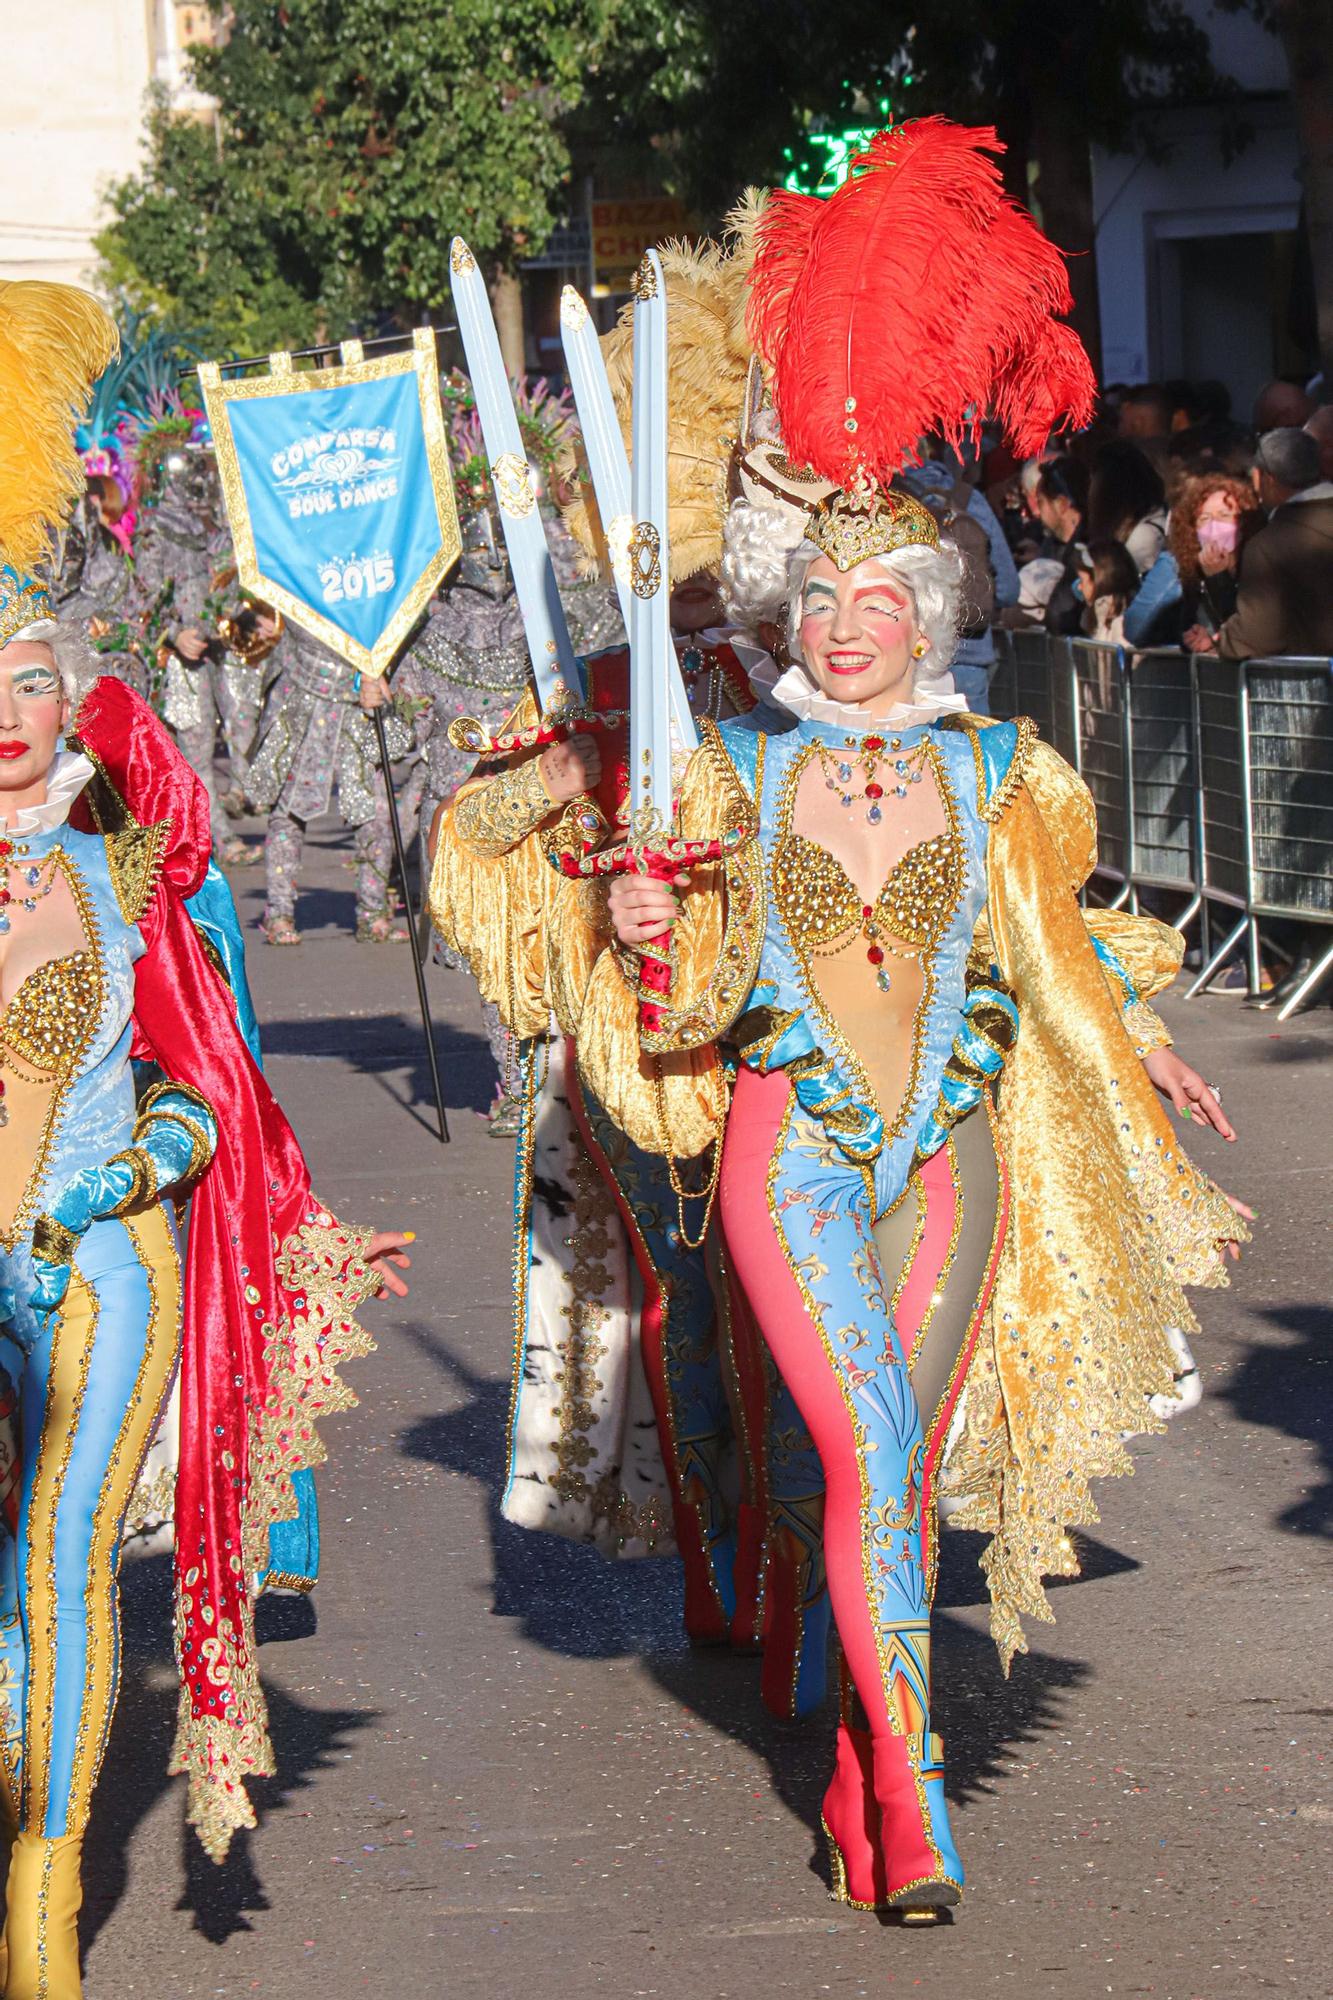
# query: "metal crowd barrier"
1213,782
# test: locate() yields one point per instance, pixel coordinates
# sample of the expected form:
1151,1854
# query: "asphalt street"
502,1772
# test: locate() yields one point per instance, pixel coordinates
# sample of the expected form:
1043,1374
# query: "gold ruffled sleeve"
494,815
670,1096
1108,1222
1142,956
489,903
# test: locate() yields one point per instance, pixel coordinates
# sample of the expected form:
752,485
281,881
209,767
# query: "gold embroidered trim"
801,1276
322,1268
831,1032
743,924
494,815
951,1251
991,806
522,1233
1146,1029
135,859
202,1142
77,1052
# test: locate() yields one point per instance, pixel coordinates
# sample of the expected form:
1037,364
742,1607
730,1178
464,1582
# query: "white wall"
70,122
1143,209
1138,203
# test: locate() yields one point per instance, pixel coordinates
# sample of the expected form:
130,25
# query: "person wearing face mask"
105,842
1192,584
1284,591
890,927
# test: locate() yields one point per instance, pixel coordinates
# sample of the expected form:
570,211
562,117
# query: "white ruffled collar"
797,693
64,781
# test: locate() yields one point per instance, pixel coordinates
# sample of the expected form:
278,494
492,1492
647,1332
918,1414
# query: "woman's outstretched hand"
1187,1091
642,908
384,1250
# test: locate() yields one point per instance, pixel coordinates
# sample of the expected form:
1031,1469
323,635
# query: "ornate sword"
608,463
555,669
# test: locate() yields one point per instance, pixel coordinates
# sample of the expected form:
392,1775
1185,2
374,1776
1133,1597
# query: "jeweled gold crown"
855,526
23,601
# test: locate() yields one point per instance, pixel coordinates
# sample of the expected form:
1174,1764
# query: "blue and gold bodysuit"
91,1378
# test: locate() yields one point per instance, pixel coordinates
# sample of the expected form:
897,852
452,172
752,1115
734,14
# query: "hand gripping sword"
652,848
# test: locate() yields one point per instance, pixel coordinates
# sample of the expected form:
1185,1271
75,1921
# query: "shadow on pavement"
574,1602
1288,1386
375,1044
134,1776
569,1598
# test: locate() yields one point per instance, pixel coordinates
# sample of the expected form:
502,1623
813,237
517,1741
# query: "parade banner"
338,492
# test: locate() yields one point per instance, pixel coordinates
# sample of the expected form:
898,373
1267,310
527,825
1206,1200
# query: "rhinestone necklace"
865,757
33,885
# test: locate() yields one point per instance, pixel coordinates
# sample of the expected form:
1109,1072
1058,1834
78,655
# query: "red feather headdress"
916,299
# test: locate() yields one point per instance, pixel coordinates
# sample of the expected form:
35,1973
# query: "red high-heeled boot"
747,1620
850,1815
922,1870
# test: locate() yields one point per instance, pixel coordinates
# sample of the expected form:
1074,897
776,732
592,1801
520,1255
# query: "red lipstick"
12,749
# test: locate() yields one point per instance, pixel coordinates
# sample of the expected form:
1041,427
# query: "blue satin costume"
92,1377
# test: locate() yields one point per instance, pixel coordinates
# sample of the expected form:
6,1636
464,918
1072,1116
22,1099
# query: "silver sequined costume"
314,736
182,546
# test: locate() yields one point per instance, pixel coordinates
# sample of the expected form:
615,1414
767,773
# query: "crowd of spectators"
1169,523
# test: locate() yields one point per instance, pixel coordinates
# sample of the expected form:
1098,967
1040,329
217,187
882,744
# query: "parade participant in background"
316,735
94,582
580,1463
471,658
923,1253
181,551
105,838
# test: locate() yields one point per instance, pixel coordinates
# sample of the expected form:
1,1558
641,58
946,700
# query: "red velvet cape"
271,1283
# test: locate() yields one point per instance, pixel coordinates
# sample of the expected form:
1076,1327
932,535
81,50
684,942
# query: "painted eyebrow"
885,589
818,583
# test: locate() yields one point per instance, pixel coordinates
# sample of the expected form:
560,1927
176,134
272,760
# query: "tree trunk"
1061,200
507,305
1306,28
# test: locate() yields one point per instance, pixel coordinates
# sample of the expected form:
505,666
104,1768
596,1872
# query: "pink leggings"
871,1323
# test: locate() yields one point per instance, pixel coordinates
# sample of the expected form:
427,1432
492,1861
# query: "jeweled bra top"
819,903
46,1023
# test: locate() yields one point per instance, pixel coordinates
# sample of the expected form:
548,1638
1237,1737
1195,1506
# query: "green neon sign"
833,153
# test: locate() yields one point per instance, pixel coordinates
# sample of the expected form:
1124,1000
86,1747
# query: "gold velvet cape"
1109,1220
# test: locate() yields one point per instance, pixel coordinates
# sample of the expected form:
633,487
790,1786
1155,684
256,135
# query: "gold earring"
921,648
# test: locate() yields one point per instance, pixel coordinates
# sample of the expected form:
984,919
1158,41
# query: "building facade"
79,127
1200,263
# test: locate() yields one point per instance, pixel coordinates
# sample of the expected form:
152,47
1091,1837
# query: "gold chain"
708,1194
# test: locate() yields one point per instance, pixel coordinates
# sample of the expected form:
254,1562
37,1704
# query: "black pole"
386,771
325,351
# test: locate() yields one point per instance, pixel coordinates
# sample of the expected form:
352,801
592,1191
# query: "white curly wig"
764,563
67,642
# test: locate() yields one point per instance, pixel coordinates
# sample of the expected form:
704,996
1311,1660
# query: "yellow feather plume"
708,357
55,340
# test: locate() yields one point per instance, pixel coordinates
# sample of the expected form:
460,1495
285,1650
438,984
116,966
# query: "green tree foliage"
354,139
725,93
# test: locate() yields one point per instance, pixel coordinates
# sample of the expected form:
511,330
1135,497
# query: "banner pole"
400,855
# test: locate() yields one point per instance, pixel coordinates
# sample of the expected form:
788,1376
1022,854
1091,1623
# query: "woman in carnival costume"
104,839
894,950
637,1430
